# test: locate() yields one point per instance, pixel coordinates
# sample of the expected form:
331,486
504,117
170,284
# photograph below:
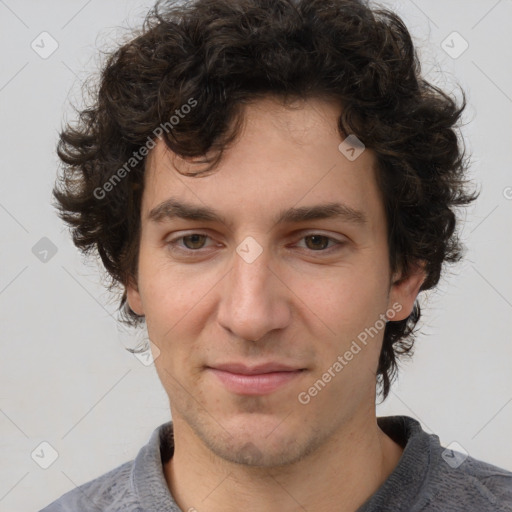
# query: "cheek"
177,305
347,301
168,292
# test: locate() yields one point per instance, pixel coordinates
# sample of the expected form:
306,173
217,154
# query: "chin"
259,440
258,452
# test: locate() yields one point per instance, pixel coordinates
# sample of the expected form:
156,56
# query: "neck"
340,475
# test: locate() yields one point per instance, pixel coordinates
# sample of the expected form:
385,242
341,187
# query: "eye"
194,241
191,242
320,243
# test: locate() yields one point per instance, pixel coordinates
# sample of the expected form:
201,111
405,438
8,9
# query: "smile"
254,384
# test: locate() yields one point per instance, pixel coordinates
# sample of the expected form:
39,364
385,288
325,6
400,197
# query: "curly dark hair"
218,55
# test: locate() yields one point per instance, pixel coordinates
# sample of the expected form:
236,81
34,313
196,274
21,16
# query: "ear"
133,298
404,290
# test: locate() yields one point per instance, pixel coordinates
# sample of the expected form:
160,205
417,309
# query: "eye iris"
197,241
317,241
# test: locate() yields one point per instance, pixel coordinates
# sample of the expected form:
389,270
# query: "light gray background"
64,375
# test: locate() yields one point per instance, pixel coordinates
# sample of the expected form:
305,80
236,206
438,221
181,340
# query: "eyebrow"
173,208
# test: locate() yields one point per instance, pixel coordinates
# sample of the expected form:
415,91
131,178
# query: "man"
273,184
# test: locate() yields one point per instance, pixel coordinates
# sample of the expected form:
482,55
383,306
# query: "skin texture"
297,303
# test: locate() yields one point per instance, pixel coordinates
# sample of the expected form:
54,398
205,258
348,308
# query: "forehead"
283,156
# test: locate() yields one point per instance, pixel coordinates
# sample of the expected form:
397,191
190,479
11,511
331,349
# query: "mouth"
257,380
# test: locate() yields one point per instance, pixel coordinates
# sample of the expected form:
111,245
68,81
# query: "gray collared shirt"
428,478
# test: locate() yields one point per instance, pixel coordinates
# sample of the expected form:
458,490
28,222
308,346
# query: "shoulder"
134,486
105,493
474,484
454,481
432,478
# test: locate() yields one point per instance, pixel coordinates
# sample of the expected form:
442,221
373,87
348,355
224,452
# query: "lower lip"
260,384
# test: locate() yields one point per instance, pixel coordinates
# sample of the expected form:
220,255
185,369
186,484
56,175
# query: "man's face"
212,299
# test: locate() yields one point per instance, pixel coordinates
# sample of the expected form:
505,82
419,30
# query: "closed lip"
243,369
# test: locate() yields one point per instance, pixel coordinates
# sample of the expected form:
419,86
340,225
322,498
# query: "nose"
254,300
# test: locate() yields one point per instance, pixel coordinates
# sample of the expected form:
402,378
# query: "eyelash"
174,246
